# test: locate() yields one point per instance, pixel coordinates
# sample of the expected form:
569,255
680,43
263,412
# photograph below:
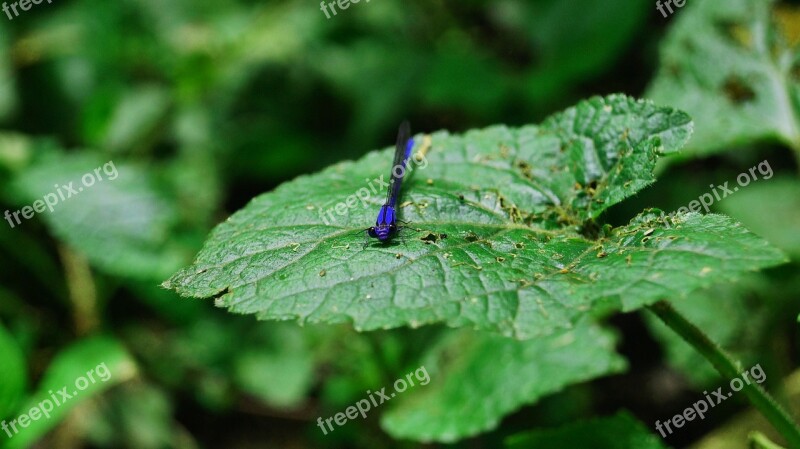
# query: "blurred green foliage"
202,105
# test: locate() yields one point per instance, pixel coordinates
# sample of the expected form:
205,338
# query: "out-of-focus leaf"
16,151
477,378
193,175
278,365
726,314
566,55
195,357
770,209
621,431
464,78
280,379
510,202
31,254
8,95
13,373
734,69
102,359
275,362
361,67
166,303
738,429
122,222
136,118
134,416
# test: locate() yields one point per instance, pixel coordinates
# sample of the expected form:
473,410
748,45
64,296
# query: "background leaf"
566,55
760,206
478,378
621,431
281,377
70,365
137,415
122,224
745,319
732,69
13,371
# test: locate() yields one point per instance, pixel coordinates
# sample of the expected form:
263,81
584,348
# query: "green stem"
82,292
730,369
760,441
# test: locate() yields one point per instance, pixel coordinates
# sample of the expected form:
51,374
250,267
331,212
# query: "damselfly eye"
371,232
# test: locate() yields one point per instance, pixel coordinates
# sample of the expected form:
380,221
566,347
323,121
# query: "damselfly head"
384,232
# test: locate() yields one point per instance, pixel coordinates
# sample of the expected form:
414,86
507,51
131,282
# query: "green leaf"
761,205
136,118
566,56
281,380
621,431
495,244
740,330
8,95
477,378
464,77
135,415
732,69
12,372
122,223
102,359
16,152
280,371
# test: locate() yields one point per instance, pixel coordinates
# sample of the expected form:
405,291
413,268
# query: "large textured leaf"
478,378
495,241
621,431
734,69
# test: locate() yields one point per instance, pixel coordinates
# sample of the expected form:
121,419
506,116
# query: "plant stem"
760,441
82,292
729,369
